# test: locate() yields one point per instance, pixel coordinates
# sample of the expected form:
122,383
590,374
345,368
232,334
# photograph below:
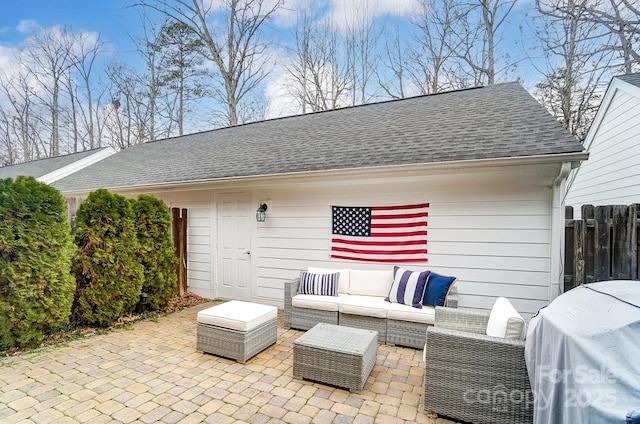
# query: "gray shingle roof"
631,78
39,168
493,122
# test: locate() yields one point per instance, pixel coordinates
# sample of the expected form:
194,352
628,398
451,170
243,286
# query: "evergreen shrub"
36,285
156,253
108,273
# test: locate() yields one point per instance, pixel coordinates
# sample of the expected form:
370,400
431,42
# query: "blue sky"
111,18
115,20
106,16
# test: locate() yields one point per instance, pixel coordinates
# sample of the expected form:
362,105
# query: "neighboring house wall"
491,229
611,176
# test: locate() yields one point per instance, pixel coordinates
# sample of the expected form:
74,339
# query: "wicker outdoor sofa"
360,303
473,377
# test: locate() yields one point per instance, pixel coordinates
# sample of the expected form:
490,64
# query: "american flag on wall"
380,233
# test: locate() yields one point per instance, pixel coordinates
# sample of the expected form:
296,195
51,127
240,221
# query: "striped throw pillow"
408,287
319,284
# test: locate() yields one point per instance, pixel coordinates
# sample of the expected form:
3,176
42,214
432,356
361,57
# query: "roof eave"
360,173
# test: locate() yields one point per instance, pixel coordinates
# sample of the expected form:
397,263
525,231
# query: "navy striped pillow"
320,284
408,287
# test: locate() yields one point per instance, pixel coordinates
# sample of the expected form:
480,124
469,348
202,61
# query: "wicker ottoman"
336,355
237,330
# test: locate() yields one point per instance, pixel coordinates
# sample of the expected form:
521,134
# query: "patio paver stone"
154,374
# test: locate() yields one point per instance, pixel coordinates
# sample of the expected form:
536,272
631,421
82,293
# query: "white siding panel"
511,291
505,250
533,222
199,249
193,238
198,257
480,235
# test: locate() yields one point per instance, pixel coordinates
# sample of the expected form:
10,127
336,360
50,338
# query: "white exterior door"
234,240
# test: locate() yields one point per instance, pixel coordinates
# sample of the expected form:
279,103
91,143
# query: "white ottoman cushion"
238,315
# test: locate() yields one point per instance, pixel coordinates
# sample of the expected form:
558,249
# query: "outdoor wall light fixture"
260,213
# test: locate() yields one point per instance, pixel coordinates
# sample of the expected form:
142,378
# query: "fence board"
602,257
569,248
579,231
621,240
603,245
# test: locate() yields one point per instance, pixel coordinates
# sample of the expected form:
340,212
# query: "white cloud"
280,100
27,25
9,62
345,13
282,92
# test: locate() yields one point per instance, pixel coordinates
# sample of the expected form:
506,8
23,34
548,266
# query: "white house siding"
492,230
611,175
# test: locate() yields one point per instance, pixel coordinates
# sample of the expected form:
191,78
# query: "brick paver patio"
153,374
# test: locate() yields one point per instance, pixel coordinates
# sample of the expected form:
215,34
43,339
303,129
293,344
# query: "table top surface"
338,338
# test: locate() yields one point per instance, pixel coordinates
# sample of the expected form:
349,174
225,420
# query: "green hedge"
157,253
108,272
36,286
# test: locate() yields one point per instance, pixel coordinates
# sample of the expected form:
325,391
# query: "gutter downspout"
556,286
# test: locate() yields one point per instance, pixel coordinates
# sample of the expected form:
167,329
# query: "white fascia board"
54,176
353,173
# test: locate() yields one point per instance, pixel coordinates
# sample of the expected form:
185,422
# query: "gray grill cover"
583,355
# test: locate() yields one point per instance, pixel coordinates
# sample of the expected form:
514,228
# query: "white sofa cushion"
400,312
319,302
370,283
343,281
370,306
505,321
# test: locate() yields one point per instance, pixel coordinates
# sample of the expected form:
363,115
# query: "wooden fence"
603,245
179,235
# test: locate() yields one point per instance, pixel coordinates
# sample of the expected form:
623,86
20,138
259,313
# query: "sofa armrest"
487,342
290,290
451,301
462,320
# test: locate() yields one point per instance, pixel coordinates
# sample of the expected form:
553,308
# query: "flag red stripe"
403,234
381,252
403,215
378,243
400,207
382,260
399,225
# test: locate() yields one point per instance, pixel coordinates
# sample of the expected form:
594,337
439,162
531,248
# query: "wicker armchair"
473,377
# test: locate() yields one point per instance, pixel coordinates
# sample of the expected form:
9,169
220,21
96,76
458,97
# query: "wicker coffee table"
336,355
